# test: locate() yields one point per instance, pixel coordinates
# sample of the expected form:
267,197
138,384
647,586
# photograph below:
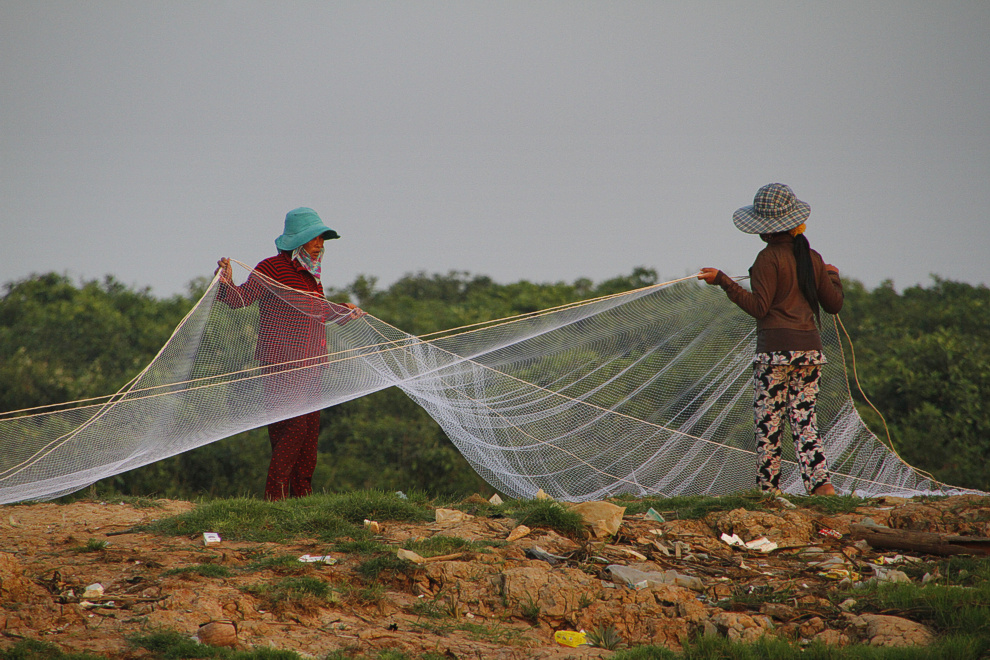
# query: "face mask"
307,262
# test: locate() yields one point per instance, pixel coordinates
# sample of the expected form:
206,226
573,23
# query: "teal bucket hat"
301,226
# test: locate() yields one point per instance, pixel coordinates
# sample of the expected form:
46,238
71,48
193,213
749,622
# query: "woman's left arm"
830,295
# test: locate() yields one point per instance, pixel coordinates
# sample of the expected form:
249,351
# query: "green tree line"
920,357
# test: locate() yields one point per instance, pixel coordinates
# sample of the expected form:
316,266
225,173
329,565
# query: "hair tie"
797,230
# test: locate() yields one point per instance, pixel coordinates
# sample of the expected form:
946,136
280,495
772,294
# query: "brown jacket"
784,320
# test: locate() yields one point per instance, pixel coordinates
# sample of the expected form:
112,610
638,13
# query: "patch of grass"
30,649
171,645
720,648
388,654
385,566
435,608
436,546
361,547
302,591
753,596
493,634
363,595
605,638
92,545
279,564
951,610
202,570
830,505
530,611
693,507
548,514
956,570
327,517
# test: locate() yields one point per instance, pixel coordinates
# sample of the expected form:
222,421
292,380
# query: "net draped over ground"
643,393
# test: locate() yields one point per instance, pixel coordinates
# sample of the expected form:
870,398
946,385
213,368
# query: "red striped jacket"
292,310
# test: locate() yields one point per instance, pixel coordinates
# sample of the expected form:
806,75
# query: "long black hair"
806,275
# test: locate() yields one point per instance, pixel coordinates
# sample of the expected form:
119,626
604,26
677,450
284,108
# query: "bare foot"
824,489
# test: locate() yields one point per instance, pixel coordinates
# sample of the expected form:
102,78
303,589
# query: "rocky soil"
654,582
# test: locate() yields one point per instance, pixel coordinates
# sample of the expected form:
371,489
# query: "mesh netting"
643,393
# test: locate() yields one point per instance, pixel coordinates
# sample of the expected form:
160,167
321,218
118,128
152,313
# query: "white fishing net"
645,393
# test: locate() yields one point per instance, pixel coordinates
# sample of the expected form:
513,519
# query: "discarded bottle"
570,638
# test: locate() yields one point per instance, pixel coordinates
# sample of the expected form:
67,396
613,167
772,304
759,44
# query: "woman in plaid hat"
790,285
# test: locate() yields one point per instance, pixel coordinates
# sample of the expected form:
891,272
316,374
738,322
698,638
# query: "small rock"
218,633
518,533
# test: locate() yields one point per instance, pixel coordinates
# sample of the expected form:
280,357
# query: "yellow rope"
859,387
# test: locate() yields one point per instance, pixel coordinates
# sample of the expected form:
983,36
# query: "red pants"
290,473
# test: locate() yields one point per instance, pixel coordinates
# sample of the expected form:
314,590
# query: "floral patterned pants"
795,388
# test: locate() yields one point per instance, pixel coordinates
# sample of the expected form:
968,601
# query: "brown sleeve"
830,295
763,280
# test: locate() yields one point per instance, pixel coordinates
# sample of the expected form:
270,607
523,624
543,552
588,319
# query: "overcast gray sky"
544,141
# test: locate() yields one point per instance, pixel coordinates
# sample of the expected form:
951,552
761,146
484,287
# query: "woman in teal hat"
790,283
293,312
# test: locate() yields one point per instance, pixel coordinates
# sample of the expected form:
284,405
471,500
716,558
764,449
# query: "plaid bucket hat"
774,209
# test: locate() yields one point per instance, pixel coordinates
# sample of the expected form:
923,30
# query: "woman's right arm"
229,293
763,278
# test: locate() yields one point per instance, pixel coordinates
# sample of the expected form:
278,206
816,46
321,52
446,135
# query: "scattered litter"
313,559
733,539
210,538
401,495
409,555
94,590
896,559
786,502
373,525
570,638
840,574
536,552
452,516
638,579
540,495
831,562
888,575
495,499
828,531
604,518
517,533
762,544
652,514
633,553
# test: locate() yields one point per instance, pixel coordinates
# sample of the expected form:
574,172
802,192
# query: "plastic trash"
570,638
321,559
94,590
653,514
638,579
409,555
210,538
536,552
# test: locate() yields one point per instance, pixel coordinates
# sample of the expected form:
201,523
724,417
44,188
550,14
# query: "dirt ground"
504,603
